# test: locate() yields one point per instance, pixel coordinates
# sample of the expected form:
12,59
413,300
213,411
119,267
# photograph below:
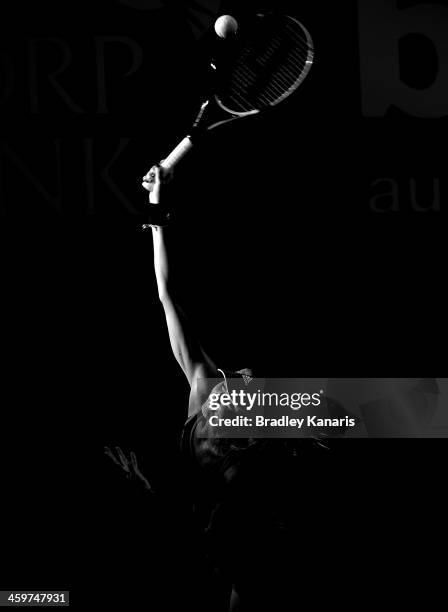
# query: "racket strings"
270,66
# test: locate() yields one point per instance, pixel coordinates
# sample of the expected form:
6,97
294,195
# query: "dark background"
284,252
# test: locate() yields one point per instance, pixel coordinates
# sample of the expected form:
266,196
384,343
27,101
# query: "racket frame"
308,64
186,144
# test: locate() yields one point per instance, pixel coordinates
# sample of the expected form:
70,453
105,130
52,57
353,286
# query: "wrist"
158,216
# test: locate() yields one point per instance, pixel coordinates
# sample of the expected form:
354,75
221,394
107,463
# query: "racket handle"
177,153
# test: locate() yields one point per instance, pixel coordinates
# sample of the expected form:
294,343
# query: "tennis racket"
267,61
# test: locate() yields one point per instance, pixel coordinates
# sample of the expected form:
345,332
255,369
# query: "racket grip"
177,153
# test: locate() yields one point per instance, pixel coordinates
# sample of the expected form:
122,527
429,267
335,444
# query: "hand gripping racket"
268,60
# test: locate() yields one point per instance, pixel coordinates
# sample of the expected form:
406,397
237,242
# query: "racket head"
271,58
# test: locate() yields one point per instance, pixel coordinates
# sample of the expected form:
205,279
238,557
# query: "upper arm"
202,383
187,350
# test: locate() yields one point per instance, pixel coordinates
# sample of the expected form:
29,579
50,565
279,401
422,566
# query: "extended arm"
187,350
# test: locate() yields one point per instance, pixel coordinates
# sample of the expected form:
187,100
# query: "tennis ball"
226,26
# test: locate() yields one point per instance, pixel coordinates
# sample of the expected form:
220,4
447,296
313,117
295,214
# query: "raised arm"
186,347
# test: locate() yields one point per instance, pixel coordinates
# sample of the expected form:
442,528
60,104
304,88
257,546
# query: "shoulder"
219,381
203,382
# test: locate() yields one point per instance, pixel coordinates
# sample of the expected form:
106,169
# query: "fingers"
124,461
156,176
150,174
138,473
134,461
110,454
126,465
136,468
149,180
146,484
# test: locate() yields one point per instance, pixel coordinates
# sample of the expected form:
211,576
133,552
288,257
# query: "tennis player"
242,488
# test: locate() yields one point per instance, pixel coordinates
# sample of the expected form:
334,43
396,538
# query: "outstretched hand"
129,466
